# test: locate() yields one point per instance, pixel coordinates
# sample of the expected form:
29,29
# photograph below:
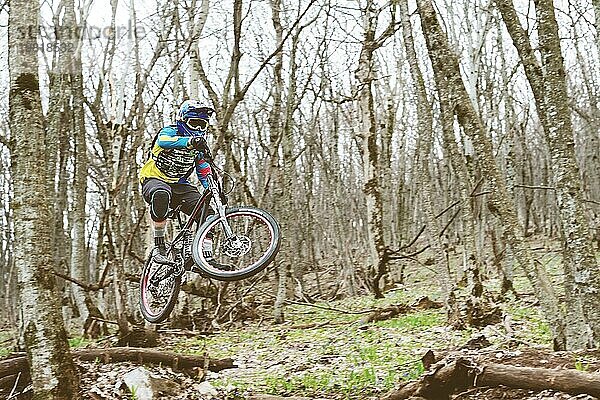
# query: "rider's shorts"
161,195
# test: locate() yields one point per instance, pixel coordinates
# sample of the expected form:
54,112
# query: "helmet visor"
197,124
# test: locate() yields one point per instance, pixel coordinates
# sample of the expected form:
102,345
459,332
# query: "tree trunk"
53,371
195,32
71,63
277,165
365,74
446,68
425,129
548,83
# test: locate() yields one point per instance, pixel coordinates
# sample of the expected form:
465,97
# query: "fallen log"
449,376
569,381
385,313
270,397
177,361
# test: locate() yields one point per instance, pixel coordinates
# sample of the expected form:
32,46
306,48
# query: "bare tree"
53,372
447,75
365,76
547,80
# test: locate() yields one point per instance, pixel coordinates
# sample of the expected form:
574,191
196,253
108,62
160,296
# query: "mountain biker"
178,150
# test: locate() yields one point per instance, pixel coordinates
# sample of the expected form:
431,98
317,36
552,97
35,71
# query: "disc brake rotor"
236,246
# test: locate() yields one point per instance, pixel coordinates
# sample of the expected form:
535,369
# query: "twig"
106,338
477,185
104,320
391,252
85,286
6,340
330,308
467,392
415,238
449,223
221,318
12,392
535,187
416,253
448,208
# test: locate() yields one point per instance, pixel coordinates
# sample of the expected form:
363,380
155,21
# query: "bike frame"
201,208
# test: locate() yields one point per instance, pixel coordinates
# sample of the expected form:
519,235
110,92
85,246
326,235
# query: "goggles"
197,124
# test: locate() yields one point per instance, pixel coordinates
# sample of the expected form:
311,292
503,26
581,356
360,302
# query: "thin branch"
411,243
260,278
449,223
536,187
448,208
86,287
477,185
106,321
412,255
239,96
592,201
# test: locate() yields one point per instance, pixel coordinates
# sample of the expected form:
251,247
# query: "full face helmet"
193,118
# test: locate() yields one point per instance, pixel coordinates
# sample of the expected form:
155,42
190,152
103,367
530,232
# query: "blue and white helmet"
193,118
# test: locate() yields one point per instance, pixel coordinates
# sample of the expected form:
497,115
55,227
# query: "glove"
198,143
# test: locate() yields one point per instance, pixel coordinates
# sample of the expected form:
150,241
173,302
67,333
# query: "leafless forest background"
386,138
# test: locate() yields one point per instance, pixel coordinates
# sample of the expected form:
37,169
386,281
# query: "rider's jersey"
171,159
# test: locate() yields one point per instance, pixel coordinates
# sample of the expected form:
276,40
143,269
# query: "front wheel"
237,246
159,287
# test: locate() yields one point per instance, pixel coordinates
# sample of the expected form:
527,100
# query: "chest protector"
175,163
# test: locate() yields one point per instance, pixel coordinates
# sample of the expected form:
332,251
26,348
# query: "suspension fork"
219,207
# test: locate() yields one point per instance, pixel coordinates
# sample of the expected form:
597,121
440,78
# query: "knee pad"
159,205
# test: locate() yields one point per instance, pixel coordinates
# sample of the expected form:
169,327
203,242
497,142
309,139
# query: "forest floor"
328,351
325,354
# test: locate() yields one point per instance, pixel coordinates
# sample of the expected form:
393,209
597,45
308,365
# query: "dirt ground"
103,382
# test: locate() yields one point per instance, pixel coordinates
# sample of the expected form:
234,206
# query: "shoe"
159,256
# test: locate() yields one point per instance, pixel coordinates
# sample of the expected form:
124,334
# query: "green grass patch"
79,341
352,383
6,343
424,319
337,357
532,326
4,351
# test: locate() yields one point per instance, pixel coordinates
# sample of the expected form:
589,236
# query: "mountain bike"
232,243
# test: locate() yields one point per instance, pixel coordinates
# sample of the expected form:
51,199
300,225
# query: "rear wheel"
238,247
159,287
